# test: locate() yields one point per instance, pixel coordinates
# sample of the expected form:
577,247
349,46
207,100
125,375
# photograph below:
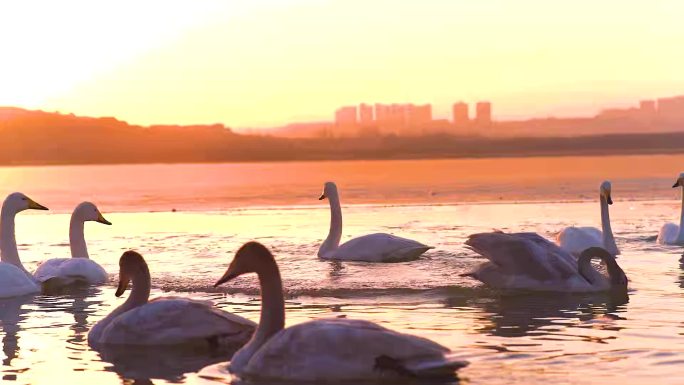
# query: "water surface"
510,338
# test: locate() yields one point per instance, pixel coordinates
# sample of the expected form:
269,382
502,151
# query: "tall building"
381,112
647,106
365,114
460,114
671,110
483,114
345,117
418,116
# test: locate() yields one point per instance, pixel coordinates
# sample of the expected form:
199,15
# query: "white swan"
670,233
325,350
577,239
79,268
14,279
529,261
377,247
164,320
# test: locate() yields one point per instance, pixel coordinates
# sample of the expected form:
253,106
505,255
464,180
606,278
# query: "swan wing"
342,350
524,254
15,282
175,321
48,269
577,239
668,234
379,247
66,271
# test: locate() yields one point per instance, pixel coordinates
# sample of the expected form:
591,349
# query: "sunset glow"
266,63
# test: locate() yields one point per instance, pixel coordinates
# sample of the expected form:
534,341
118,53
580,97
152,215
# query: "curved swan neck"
272,318
140,293
680,236
77,237
616,275
335,233
8,241
607,231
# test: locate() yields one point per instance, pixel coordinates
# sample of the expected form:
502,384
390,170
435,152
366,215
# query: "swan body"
577,239
529,261
15,280
670,233
58,272
165,320
378,247
325,350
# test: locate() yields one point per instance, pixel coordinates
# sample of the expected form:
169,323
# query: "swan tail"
443,367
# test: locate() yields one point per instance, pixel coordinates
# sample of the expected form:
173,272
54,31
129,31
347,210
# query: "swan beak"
102,220
677,184
226,277
320,198
123,284
609,200
35,205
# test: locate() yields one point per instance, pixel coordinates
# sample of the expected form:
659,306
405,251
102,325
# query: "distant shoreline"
34,138
509,154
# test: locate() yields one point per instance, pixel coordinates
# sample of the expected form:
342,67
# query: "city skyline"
265,63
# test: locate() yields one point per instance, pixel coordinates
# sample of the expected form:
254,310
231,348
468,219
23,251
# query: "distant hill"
37,137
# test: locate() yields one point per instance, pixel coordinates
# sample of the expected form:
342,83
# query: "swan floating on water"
15,280
577,239
165,320
529,261
378,247
58,272
325,350
670,233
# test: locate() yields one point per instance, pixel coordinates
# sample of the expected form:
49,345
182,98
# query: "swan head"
18,202
605,191
329,189
87,211
252,257
131,264
680,181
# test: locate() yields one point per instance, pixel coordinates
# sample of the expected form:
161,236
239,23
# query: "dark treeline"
30,137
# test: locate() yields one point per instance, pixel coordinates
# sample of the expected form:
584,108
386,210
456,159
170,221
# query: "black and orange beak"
101,219
33,205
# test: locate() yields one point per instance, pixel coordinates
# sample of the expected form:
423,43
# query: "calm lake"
188,220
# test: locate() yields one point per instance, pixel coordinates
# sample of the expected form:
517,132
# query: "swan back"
15,282
175,321
336,349
525,254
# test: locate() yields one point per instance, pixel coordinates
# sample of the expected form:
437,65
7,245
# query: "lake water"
510,338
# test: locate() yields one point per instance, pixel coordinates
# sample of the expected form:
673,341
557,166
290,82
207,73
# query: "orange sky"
266,62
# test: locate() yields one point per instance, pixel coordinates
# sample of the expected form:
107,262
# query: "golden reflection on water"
163,187
516,338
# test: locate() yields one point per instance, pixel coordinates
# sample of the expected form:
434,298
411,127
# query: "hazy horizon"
265,63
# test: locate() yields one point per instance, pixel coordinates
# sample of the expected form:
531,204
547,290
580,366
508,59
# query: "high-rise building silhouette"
365,114
345,117
671,110
460,114
418,116
483,114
